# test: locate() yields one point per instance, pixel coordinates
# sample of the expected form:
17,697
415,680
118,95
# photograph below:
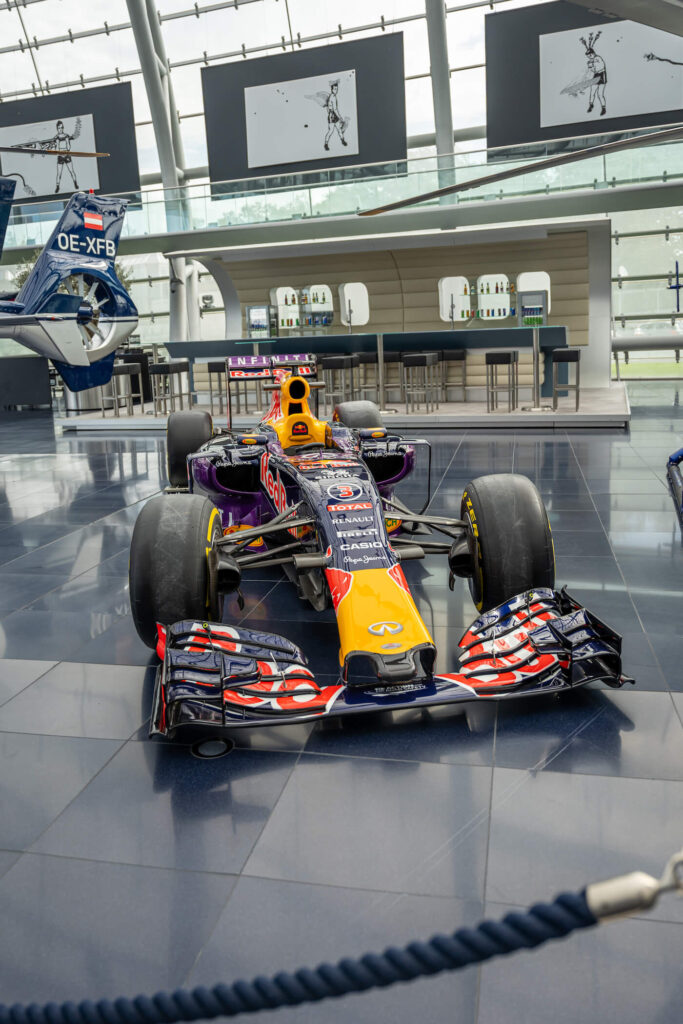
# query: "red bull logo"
273,484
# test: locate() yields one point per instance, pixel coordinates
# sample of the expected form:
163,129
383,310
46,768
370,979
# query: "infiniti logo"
381,628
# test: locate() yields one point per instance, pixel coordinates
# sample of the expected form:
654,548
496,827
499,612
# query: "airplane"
72,308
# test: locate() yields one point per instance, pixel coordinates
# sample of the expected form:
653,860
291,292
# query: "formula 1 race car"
318,499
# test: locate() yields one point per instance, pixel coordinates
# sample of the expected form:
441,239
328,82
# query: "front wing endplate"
220,676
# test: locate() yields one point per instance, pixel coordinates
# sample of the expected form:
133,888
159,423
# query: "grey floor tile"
627,972
16,674
157,805
447,735
103,930
77,699
431,817
39,776
282,926
591,731
554,832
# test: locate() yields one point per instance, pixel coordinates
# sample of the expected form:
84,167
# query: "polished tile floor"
128,865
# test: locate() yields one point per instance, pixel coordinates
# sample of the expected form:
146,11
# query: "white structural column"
154,66
435,11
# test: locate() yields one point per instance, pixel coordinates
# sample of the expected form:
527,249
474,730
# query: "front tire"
510,538
168,570
185,433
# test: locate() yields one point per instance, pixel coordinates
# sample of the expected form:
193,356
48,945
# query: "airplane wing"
54,337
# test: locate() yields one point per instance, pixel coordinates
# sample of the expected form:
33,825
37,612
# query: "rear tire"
185,433
168,570
357,414
510,538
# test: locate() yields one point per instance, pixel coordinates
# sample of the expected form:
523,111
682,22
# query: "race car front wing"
215,676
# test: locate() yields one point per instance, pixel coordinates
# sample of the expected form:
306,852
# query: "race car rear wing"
263,369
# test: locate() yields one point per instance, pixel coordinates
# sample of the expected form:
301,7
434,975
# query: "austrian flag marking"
93,221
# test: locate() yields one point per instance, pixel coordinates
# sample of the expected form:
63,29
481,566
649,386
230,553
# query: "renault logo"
382,628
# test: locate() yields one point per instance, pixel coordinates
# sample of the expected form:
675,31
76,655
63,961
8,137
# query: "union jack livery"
316,498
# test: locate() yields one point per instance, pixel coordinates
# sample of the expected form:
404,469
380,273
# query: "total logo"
273,484
345,492
89,246
356,507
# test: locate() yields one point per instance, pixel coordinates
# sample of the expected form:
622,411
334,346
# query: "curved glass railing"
341,192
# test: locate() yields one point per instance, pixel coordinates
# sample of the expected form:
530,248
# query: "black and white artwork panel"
311,118
42,174
605,71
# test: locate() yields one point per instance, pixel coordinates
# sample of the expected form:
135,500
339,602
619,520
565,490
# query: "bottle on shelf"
496,287
488,289
286,302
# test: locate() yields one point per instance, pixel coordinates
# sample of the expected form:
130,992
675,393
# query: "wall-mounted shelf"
493,296
286,301
455,301
317,305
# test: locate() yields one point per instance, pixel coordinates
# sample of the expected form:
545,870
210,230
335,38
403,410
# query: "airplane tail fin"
85,240
74,280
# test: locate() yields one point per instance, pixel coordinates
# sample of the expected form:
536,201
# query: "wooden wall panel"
402,283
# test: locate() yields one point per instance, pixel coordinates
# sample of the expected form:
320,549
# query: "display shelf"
317,305
455,299
495,296
286,301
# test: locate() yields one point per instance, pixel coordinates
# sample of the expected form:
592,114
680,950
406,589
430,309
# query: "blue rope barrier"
541,923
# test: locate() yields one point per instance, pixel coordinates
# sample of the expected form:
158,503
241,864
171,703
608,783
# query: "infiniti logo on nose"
381,628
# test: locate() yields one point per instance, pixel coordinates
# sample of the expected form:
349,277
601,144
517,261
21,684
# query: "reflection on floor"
599,407
128,865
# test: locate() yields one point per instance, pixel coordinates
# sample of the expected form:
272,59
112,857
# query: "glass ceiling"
57,45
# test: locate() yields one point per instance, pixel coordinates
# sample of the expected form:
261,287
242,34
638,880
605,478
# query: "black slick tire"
510,538
185,433
357,414
168,569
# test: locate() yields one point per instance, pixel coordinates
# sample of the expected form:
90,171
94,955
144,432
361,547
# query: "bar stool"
366,383
340,378
216,368
450,356
122,388
164,377
421,376
566,355
393,359
510,360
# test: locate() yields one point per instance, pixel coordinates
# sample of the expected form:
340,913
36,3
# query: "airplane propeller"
667,135
48,152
